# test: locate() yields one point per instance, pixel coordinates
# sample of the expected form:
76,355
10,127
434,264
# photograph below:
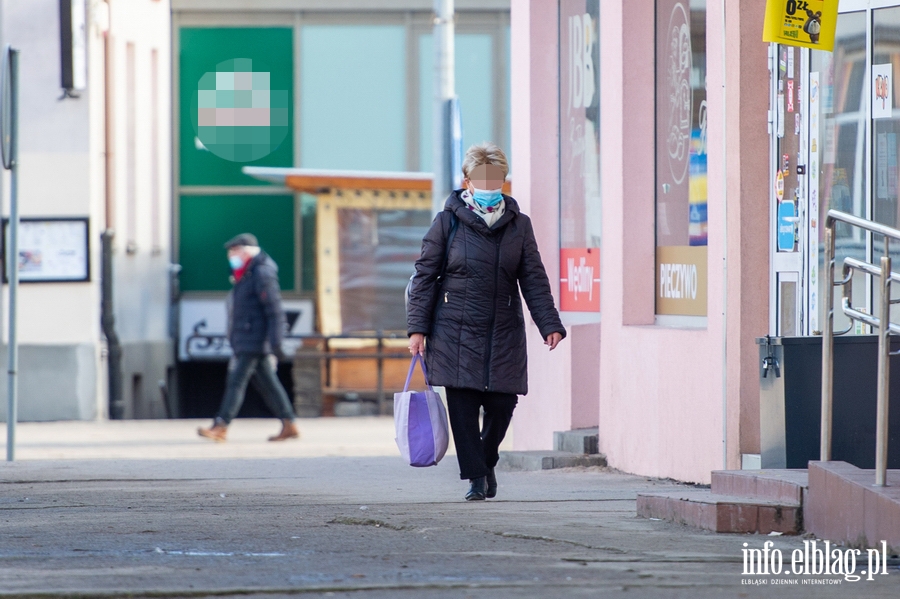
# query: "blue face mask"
236,262
487,198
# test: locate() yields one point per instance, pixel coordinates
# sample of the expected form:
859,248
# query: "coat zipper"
490,347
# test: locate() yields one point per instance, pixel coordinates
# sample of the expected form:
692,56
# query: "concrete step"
845,506
721,513
547,460
580,440
786,486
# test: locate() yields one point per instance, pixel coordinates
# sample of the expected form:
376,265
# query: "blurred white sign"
203,326
882,91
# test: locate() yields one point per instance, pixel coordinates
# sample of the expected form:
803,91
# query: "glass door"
789,189
835,145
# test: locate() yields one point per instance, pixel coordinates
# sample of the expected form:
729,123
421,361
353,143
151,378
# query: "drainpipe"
107,314
108,321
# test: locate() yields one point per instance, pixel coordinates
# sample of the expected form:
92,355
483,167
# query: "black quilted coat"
473,323
256,316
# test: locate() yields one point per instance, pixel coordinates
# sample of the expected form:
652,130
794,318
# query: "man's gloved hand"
279,354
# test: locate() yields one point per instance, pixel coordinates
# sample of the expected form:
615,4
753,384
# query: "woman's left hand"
417,344
553,340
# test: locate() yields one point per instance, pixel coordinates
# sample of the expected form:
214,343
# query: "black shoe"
491,491
476,490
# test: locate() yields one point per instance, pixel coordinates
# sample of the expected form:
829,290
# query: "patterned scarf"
489,215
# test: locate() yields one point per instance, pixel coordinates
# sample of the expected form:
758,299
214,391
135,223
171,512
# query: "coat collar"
250,266
456,205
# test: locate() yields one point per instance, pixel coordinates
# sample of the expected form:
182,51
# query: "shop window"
353,97
207,222
475,86
681,144
579,154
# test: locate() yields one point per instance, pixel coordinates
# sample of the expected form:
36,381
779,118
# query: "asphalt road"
349,523
357,527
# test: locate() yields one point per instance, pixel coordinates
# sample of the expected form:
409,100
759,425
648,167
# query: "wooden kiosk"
358,357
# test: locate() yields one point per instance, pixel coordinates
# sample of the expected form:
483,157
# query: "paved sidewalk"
178,439
356,524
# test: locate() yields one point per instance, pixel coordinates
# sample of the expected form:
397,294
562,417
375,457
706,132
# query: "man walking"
256,326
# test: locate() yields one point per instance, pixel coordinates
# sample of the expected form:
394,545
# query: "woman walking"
464,299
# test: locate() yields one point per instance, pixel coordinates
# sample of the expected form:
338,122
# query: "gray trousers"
256,367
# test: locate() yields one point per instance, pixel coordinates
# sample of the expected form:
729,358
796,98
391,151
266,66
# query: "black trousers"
478,450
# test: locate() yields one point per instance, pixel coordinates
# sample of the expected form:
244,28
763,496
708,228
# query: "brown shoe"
216,432
288,431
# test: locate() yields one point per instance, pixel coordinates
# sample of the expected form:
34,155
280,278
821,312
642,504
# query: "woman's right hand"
417,344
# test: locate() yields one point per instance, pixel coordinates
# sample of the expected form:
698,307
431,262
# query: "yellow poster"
809,24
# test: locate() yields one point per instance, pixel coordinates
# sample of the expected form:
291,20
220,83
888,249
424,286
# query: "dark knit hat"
242,239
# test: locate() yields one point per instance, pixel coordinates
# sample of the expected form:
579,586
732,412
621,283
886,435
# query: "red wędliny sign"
579,279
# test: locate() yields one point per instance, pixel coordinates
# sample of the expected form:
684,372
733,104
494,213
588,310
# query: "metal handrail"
886,277
379,353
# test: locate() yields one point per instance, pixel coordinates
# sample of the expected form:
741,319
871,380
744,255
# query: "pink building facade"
640,145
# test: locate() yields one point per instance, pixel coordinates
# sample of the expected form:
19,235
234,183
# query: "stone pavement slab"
357,526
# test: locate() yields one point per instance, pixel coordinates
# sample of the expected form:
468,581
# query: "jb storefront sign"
579,280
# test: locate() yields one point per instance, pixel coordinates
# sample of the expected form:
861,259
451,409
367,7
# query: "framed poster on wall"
51,250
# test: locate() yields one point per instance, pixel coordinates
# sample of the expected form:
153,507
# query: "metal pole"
884,370
828,346
444,84
381,396
13,259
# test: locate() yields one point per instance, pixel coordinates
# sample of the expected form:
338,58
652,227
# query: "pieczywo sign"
681,282
579,279
804,23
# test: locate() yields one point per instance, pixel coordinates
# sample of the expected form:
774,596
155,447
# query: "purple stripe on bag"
421,435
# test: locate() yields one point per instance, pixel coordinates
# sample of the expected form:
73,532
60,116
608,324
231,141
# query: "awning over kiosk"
318,180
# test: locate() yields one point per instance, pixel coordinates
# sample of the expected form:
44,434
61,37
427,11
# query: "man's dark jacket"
256,316
473,319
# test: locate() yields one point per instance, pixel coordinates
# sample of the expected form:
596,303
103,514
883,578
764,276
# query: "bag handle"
412,366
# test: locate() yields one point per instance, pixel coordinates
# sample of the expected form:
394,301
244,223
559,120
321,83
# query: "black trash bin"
791,401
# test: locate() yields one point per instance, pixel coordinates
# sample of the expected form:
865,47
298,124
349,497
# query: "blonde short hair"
484,153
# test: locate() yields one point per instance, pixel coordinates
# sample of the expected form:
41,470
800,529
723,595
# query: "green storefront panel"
207,222
236,86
